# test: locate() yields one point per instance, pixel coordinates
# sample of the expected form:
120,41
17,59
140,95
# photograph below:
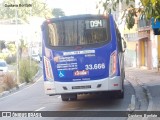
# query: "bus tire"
121,94
67,97
74,98
64,97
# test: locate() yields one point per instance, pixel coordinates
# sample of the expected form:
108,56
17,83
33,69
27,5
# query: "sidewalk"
149,80
146,77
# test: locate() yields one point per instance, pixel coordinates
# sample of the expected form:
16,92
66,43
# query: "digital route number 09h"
95,23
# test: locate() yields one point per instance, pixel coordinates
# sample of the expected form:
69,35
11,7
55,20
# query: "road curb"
150,101
132,106
145,88
137,103
19,86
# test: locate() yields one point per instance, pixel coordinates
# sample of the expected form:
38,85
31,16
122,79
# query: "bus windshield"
78,32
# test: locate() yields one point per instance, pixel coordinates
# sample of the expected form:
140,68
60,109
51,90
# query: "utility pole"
30,48
17,42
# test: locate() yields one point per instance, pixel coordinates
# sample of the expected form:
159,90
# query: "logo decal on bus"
81,73
56,59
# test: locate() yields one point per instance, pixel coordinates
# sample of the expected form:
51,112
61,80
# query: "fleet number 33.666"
95,66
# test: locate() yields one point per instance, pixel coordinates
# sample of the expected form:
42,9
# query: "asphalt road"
33,98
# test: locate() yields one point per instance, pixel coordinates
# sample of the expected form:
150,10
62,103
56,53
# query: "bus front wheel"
67,97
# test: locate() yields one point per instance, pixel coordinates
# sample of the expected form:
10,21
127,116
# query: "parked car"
36,57
3,66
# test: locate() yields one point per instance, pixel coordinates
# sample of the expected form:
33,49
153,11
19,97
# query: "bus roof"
76,17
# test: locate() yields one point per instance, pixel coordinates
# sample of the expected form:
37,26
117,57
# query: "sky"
72,7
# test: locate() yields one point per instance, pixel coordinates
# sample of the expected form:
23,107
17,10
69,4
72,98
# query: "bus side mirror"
124,45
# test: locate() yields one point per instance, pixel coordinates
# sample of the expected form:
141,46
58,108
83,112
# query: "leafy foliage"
7,81
27,71
57,12
151,8
2,45
11,59
11,47
148,8
3,56
130,20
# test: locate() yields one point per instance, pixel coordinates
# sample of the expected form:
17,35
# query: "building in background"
145,43
35,41
143,47
29,32
131,53
9,31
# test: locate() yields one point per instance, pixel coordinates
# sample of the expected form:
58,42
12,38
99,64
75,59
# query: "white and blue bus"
82,54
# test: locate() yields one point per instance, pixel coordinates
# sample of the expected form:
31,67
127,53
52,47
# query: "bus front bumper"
107,84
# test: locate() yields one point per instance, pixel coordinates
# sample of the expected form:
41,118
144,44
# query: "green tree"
148,8
2,45
57,12
11,47
34,8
